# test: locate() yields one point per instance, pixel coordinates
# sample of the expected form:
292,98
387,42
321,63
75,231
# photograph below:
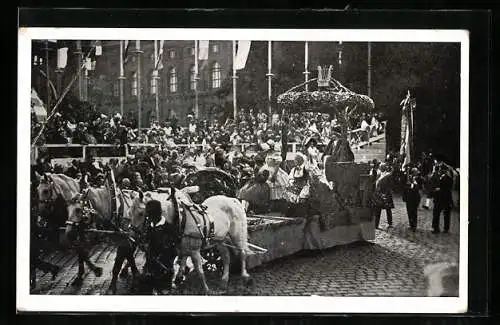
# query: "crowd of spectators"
250,127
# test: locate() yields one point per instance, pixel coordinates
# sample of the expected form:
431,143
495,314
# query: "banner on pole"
62,58
241,55
406,150
159,63
203,53
98,49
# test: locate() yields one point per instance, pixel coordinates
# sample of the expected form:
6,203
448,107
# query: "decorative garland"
336,97
324,100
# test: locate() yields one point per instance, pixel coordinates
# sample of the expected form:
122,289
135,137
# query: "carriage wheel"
213,262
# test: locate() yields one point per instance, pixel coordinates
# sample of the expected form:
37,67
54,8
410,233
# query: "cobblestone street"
392,265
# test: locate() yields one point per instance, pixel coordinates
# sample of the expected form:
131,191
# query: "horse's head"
47,195
77,213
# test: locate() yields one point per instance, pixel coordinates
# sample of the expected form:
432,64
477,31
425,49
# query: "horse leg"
197,261
226,259
240,241
81,267
85,258
244,274
179,276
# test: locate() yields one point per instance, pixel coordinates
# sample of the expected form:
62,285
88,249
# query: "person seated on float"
298,179
312,152
338,148
256,193
277,181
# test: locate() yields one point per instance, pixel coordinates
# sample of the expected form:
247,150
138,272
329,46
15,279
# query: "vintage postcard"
242,170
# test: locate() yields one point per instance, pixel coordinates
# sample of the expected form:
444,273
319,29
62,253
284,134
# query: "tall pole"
269,80
369,69
341,74
235,104
86,84
196,110
156,77
121,77
306,65
139,83
79,54
47,73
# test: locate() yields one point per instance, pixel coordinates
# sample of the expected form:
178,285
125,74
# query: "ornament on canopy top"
324,76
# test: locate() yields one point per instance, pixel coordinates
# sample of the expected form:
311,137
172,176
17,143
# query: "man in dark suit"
442,199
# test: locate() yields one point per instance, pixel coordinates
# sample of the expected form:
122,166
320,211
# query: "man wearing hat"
411,196
442,198
338,148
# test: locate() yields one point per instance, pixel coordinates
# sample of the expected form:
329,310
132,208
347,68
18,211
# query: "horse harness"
185,208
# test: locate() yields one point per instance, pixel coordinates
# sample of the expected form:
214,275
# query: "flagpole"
269,80
306,65
156,77
196,111
121,77
139,83
340,61
78,54
235,104
369,69
47,72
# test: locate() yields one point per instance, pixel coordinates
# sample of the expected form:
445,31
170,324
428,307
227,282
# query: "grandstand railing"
68,152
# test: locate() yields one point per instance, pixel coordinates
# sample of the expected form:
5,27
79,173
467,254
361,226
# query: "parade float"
343,201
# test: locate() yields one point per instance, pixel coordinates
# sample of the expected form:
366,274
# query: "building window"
171,54
192,78
172,80
116,89
134,84
154,82
216,75
215,48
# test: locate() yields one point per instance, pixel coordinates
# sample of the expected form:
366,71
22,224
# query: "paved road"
392,265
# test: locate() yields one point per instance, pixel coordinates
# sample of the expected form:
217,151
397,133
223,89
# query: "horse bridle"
52,199
86,219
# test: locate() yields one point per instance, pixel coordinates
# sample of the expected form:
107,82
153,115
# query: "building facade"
175,84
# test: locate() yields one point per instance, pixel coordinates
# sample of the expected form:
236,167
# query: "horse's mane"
67,186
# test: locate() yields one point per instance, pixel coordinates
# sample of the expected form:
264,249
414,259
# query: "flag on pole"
405,150
98,48
62,58
88,64
126,47
159,58
241,55
203,53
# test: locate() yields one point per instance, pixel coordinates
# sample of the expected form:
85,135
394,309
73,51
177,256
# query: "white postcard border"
179,304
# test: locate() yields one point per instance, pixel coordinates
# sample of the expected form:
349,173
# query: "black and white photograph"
186,170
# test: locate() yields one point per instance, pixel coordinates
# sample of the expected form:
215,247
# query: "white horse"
229,221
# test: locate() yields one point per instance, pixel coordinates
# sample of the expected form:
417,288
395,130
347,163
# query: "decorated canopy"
331,99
